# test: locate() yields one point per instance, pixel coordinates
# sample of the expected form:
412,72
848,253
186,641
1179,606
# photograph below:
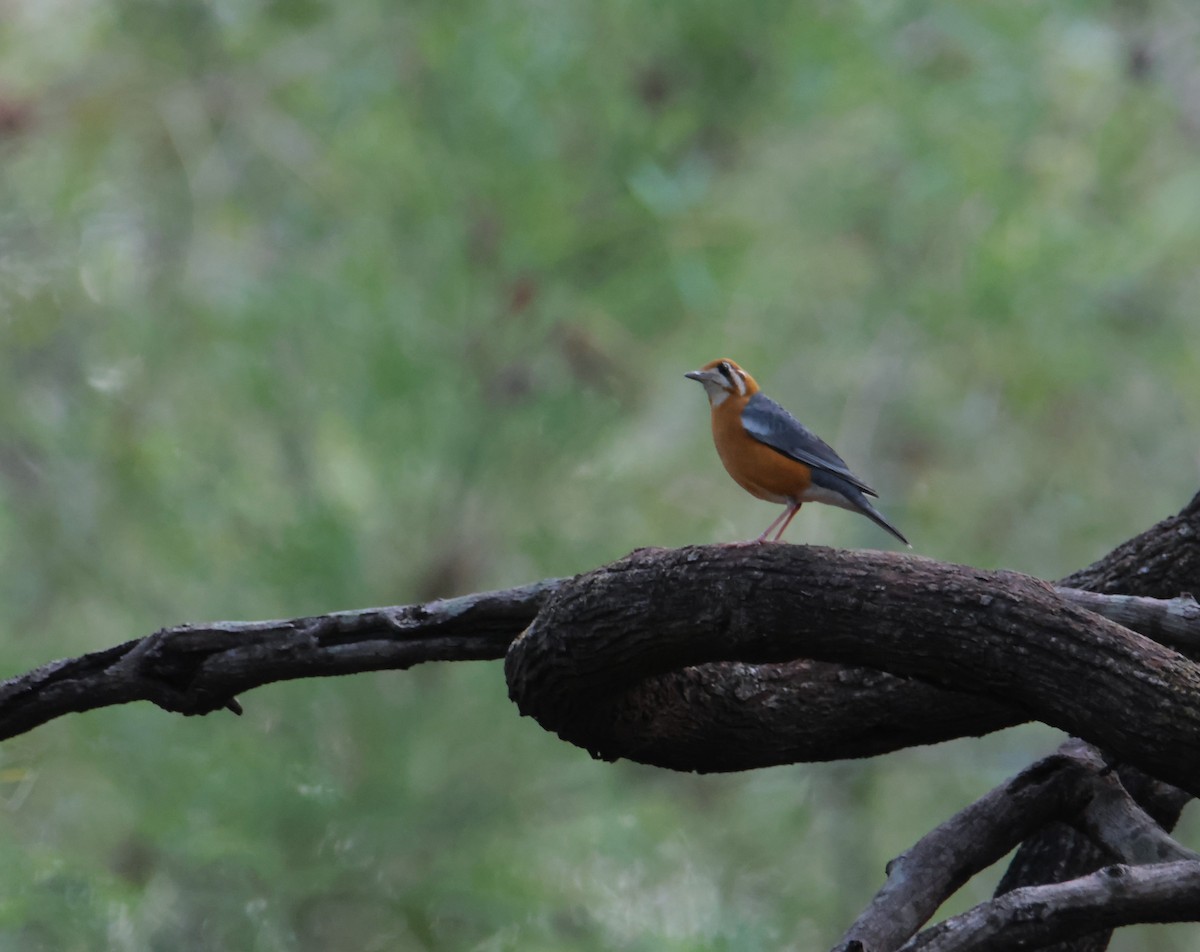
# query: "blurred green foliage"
308,306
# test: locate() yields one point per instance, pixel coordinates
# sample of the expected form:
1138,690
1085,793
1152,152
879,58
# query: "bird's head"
723,378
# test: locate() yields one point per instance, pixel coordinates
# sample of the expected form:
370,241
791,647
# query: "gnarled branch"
1033,917
944,859
719,658
1002,637
197,669
1073,786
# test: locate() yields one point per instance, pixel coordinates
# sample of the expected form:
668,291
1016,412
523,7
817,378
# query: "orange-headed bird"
774,456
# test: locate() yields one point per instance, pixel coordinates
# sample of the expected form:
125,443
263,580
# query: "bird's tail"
841,492
863,505
876,516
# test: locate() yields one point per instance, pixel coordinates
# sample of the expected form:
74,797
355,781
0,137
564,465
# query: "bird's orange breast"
758,469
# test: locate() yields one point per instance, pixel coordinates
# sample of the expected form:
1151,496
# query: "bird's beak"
696,375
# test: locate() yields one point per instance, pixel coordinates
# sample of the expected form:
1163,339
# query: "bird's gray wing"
772,425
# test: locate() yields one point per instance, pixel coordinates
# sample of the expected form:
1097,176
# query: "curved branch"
197,669
1073,786
1004,637
1116,823
725,658
729,716
1160,562
814,709
1036,916
943,860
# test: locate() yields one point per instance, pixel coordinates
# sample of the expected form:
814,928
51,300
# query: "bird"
773,456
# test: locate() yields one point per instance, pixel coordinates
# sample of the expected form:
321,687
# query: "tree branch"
1003,637
1160,562
1169,621
800,709
197,669
724,658
921,879
1074,786
1115,822
1035,916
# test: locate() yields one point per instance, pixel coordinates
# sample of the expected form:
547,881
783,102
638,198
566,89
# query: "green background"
308,306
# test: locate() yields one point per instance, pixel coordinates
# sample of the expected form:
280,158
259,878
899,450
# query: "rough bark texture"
945,858
719,715
724,658
1029,917
1074,786
1007,639
735,716
1169,621
198,669
1162,562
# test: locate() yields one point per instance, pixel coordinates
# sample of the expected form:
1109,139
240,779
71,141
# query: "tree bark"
724,658
1161,562
659,721
1008,640
1034,917
198,669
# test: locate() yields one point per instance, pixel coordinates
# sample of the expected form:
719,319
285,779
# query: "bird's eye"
724,369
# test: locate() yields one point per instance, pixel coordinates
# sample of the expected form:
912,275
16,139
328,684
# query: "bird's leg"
787,514
790,512
774,522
